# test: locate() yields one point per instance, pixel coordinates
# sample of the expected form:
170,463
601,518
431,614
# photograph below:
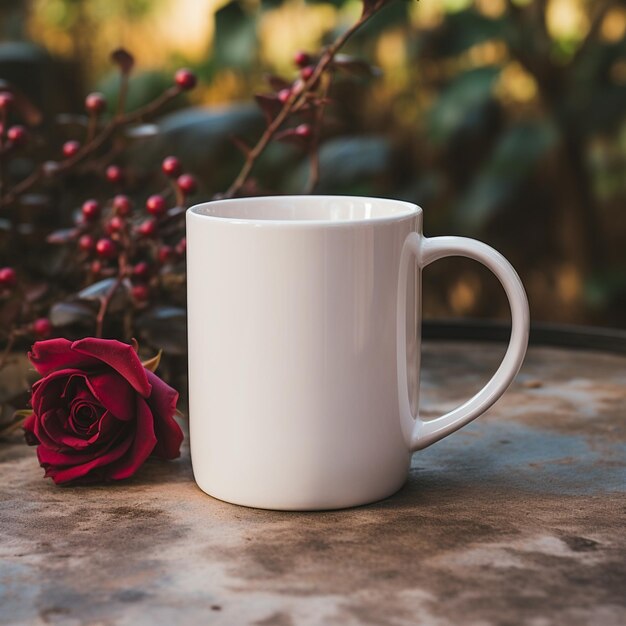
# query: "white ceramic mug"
300,311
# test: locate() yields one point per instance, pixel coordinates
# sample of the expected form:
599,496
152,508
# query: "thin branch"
104,305
92,146
294,101
121,100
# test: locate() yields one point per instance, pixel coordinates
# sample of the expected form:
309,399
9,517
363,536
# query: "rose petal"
68,474
143,444
53,435
106,428
80,423
48,392
163,404
106,437
120,356
114,393
43,433
79,448
55,354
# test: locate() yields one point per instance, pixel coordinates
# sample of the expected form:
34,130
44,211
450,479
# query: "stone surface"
517,519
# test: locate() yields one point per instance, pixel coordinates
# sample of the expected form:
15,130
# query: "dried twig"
92,145
294,101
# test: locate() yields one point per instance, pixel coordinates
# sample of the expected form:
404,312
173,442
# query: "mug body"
293,400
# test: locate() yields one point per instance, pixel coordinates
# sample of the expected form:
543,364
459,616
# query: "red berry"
140,292
302,58
115,224
284,94
90,209
6,100
122,205
181,246
155,205
86,243
70,148
187,184
95,103
96,267
42,327
8,278
165,254
141,271
185,79
307,72
147,228
105,248
171,166
17,134
304,130
114,174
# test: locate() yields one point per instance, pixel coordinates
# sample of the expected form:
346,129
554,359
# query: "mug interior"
308,209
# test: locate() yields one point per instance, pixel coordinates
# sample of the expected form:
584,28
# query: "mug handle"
419,433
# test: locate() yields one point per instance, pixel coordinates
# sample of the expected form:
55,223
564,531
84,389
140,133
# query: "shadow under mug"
301,313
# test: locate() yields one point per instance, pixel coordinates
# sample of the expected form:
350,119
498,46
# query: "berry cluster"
133,245
294,110
136,246
136,249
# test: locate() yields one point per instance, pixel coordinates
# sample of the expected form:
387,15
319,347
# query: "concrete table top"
517,519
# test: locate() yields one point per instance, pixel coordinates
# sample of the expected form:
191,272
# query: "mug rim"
403,210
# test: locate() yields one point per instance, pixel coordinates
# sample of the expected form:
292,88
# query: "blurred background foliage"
504,119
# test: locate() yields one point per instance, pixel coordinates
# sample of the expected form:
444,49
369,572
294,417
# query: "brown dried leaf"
277,83
355,66
153,363
123,59
292,135
269,104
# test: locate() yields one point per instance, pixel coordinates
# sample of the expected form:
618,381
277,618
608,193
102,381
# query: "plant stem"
292,103
121,100
92,145
104,305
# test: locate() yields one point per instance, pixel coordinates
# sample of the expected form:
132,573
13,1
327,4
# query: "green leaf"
235,43
96,291
460,100
64,314
165,327
16,422
346,162
461,30
513,159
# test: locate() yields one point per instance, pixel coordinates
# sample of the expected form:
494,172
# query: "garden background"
505,120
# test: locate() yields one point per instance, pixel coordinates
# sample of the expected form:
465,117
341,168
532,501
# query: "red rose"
98,413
